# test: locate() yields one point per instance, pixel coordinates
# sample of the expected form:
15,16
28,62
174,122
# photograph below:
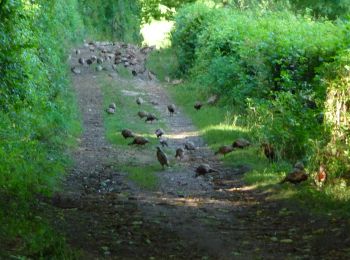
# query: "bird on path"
139,101
241,143
225,149
110,110
151,118
127,133
297,175
76,70
180,153
159,132
163,142
269,151
139,140
204,169
171,109
190,146
142,114
198,105
113,105
81,61
321,176
162,157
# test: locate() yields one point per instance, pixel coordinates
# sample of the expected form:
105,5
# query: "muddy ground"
106,216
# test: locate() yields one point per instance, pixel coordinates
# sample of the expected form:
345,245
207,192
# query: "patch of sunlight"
285,194
225,127
183,135
157,33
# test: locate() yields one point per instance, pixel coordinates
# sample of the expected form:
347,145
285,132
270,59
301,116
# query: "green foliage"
115,20
189,23
267,64
37,118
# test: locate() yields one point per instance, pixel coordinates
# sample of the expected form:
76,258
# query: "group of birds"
298,175
162,157
102,53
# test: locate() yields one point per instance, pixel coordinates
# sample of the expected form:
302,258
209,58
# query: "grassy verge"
140,164
220,125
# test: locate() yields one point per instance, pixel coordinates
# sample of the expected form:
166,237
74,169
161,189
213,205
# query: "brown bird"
126,133
204,169
76,70
110,110
159,132
171,109
163,142
139,140
81,61
142,114
139,101
224,150
180,153
297,175
240,143
269,151
189,146
321,176
198,105
162,157
113,105
151,118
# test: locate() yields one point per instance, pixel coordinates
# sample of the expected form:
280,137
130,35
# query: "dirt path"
104,215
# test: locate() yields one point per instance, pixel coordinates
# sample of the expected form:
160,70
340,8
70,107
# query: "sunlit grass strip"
144,176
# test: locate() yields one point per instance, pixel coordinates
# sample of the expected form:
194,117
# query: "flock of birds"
162,157
133,58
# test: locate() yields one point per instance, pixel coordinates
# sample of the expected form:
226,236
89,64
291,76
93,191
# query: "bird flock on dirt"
132,57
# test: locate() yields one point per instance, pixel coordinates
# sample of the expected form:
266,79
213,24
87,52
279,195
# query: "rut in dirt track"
216,217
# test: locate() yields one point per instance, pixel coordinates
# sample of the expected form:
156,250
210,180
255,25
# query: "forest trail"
105,215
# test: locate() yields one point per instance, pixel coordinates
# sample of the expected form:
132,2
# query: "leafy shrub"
189,23
267,63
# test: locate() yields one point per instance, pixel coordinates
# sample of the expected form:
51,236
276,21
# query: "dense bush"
270,64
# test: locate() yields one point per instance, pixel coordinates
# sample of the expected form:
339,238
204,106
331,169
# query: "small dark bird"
151,118
113,105
269,151
240,143
89,61
198,105
134,73
110,110
139,140
142,114
162,157
126,133
163,142
190,146
180,153
99,60
171,109
139,101
159,132
204,169
224,150
297,175
321,176
77,51
81,61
